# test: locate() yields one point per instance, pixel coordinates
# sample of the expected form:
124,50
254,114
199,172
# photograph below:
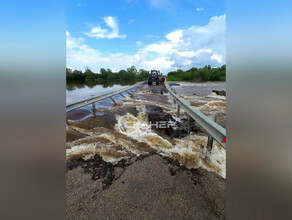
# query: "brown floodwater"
123,131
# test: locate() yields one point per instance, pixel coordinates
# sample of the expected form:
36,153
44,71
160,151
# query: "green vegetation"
129,76
198,75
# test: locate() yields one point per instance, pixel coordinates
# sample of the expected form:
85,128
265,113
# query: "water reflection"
76,91
70,86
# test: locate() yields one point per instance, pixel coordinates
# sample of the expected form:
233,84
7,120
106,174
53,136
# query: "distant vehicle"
155,78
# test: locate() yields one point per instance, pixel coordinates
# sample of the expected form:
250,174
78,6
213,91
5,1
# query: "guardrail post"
210,138
210,143
130,93
113,100
93,109
178,110
189,124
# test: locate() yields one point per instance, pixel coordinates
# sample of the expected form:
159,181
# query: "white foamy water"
209,105
133,136
109,144
189,151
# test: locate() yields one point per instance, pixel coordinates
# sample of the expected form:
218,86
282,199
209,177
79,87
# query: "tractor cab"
154,77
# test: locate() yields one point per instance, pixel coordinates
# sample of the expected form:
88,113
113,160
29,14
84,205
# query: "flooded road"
200,89
122,131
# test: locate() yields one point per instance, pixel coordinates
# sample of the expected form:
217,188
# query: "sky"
148,34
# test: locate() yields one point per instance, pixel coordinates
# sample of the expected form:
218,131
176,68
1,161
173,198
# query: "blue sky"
149,34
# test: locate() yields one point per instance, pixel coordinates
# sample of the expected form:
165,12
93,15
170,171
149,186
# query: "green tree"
143,75
88,74
202,74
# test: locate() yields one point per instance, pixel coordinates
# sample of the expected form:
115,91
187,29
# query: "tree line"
129,75
132,75
199,74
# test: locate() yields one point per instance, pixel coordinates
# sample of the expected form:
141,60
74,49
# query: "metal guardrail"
211,127
85,102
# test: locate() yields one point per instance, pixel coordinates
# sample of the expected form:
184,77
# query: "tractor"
155,78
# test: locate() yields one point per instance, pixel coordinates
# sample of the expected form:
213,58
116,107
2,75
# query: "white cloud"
79,54
111,33
203,42
175,36
162,48
195,46
190,54
199,9
217,57
139,43
160,63
131,21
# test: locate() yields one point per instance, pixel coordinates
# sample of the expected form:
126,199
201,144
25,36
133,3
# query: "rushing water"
200,89
123,131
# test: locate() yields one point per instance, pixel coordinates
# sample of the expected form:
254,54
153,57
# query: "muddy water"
123,131
200,95
200,89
